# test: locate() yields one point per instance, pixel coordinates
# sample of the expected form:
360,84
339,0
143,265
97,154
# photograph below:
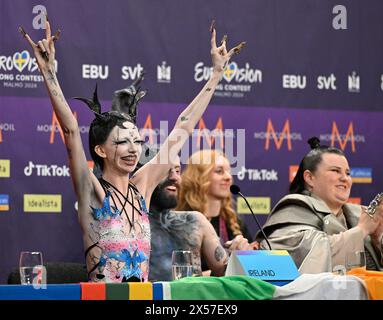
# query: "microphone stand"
256,220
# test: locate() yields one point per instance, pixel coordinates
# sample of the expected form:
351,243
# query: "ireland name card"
274,266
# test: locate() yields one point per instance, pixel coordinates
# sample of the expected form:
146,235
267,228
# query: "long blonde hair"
195,185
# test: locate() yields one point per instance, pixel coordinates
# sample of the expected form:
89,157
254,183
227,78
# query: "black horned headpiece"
124,104
125,100
103,118
93,104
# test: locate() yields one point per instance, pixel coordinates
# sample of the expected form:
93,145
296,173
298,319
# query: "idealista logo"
257,174
44,170
20,70
4,202
42,202
259,205
5,168
238,80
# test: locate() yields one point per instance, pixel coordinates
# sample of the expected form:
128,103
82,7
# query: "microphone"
237,191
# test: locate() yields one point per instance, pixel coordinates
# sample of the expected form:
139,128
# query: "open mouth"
130,159
171,188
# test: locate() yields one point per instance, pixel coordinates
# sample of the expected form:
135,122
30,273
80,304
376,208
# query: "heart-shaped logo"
20,60
230,71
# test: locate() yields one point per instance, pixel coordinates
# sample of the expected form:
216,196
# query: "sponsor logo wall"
273,97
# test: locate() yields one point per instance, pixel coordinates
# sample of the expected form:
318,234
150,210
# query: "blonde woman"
205,188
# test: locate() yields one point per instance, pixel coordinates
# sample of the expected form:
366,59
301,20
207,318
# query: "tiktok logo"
43,170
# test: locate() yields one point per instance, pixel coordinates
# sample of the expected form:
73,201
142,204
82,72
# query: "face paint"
124,145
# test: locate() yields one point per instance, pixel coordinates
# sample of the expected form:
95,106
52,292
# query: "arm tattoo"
60,96
208,89
51,78
219,253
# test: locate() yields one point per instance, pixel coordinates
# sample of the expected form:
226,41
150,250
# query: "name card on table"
273,266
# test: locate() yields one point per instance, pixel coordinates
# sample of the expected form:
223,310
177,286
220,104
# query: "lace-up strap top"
124,242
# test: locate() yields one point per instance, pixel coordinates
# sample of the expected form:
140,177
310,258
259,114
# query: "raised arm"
44,52
152,173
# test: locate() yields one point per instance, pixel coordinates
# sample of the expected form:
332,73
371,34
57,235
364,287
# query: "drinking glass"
182,265
355,259
31,267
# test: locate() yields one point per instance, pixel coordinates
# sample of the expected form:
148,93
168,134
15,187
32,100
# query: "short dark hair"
100,129
310,162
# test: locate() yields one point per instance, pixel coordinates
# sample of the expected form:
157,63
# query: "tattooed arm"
44,52
152,173
214,254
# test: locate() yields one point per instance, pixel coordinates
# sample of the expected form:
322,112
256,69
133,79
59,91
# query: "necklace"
108,186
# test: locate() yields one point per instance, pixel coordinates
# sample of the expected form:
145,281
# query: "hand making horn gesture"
44,50
219,55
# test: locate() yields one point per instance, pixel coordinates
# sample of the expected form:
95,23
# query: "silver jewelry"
373,204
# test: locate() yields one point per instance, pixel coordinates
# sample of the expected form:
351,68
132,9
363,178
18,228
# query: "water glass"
31,267
182,265
355,259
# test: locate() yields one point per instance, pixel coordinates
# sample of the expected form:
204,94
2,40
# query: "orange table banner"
373,281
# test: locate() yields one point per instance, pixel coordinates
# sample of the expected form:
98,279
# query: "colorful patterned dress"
125,245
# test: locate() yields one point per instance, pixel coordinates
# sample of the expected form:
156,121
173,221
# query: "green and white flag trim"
305,287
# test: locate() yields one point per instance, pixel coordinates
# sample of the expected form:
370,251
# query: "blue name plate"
274,266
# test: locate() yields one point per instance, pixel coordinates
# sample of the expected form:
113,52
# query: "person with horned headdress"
317,225
113,209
